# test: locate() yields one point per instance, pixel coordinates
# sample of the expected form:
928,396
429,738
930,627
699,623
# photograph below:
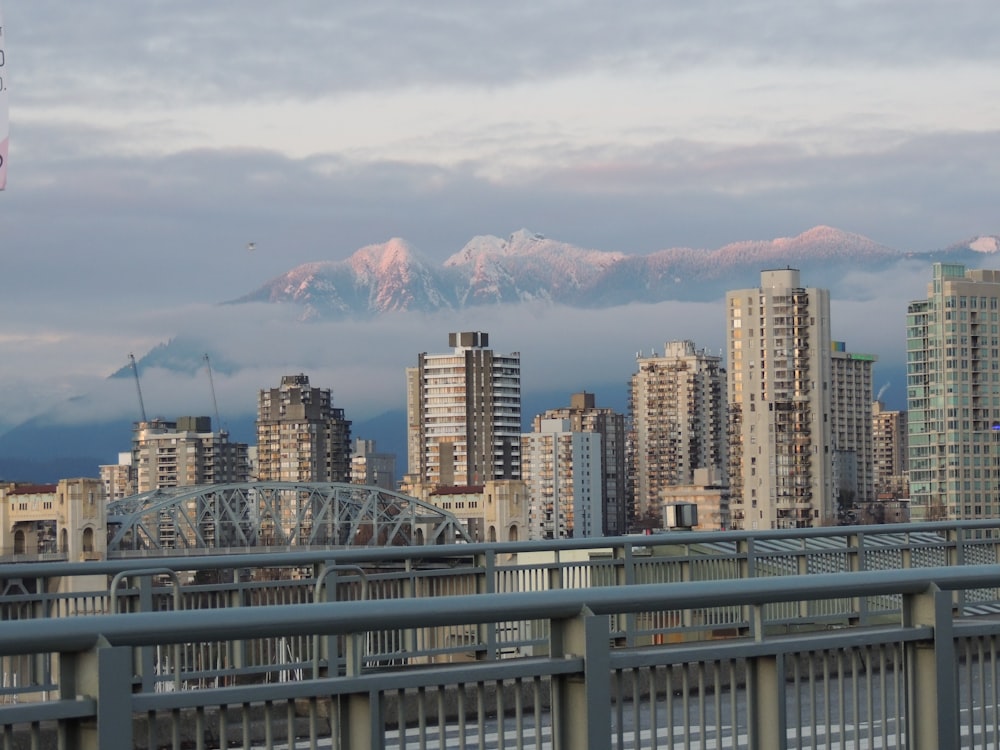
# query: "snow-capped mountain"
988,244
527,266
375,279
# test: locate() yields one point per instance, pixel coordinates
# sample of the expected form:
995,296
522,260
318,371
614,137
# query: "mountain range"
524,268
528,267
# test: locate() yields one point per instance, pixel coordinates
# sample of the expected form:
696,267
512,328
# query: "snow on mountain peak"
528,266
989,244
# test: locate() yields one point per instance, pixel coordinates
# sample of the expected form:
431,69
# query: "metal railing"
47,590
924,679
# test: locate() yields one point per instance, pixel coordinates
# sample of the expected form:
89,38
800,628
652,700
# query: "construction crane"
215,404
138,388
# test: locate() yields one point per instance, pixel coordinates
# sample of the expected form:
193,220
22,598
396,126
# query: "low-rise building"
64,521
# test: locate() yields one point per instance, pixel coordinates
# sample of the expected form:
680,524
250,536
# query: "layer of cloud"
252,346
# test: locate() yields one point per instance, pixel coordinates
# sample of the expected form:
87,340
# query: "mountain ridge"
528,266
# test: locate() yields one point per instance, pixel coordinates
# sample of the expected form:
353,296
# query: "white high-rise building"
563,473
184,453
678,409
779,346
851,430
585,416
464,415
953,395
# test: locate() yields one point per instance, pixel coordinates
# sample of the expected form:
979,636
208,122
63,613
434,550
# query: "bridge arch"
275,514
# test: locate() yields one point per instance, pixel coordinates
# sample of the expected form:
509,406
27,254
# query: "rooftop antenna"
138,388
215,404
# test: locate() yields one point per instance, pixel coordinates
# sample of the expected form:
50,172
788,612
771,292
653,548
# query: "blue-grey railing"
924,679
47,590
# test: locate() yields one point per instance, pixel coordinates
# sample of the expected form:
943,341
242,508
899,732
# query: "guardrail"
927,679
47,590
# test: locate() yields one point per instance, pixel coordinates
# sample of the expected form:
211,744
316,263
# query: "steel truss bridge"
206,518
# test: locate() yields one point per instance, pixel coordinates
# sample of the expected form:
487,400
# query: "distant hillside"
526,266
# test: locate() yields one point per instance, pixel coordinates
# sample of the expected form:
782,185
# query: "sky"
151,142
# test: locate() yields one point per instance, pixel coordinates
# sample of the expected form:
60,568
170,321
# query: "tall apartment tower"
678,409
370,467
563,474
585,416
464,415
953,395
850,419
184,453
779,346
301,437
890,461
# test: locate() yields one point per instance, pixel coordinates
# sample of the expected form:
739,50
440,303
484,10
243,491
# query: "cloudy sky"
150,142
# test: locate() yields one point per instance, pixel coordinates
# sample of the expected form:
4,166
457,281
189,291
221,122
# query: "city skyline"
152,147
550,371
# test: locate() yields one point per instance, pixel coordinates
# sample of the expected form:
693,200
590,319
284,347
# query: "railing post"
581,703
486,584
626,577
931,676
748,569
955,551
105,674
325,647
360,720
556,573
802,569
147,655
237,649
687,616
856,564
766,713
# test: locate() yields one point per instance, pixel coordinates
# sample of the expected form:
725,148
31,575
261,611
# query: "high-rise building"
780,438
371,467
464,415
184,453
953,395
678,413
850,419
562,469
890,462
301,437
585,416
119,478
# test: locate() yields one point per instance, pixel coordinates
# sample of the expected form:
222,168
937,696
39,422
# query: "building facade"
301,437
181,454
562,470
709,494
780,438
494,512
64,521
889,453
953,395
678,423
851,430
372,468
585,416
119,478
464,415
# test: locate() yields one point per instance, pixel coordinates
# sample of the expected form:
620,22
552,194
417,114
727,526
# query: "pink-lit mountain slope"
527,266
